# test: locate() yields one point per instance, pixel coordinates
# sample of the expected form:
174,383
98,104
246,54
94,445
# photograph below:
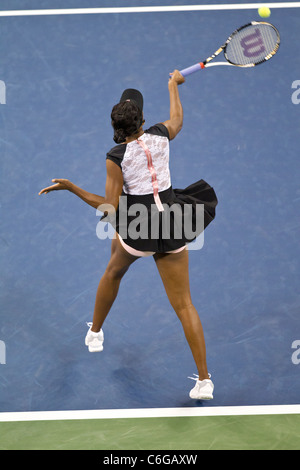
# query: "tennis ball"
264,12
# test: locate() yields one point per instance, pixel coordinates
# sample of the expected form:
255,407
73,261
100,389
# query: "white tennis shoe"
93,340
203,389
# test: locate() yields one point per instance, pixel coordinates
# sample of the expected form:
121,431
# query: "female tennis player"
138,173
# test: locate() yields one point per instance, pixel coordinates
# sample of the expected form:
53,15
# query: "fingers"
60,180
49,188
60,183
177,77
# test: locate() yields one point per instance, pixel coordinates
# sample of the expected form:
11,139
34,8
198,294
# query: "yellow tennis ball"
264,12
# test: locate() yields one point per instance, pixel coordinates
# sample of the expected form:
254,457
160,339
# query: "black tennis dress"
152,216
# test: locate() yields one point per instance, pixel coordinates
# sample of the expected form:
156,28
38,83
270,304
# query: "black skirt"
187,212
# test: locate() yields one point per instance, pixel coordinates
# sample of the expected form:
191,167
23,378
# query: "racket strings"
252,44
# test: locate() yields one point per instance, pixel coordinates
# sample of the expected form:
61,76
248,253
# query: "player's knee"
115,272
183,308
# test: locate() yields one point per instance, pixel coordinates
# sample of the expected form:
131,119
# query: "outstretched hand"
60,184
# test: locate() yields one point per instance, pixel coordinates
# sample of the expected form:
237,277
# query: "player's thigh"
174,271
120,259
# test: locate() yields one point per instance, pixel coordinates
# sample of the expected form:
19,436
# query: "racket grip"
192,69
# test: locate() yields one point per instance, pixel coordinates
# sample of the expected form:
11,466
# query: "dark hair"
126,119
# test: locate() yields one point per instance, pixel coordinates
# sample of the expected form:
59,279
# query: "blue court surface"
60,77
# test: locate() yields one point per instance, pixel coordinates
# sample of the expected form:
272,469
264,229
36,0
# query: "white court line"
151,413
154,9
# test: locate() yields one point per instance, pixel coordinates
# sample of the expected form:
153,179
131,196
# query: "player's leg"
109,284
174,272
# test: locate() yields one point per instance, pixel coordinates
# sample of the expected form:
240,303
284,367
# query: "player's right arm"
113,189
174,124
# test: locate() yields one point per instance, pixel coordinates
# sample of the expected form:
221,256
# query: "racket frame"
206,63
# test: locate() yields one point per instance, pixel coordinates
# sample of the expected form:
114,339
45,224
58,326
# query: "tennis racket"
250,45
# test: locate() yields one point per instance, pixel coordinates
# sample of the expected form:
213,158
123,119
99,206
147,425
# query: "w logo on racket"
253,44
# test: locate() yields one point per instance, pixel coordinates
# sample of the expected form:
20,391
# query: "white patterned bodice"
136,174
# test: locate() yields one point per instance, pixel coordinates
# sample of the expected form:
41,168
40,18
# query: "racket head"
252,44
